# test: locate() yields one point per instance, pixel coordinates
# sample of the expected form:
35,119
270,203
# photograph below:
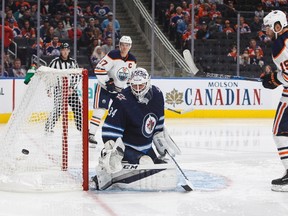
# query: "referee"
64,61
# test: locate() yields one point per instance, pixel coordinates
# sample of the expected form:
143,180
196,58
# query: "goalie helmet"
273,17
140,85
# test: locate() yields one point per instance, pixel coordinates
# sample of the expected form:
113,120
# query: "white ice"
239,152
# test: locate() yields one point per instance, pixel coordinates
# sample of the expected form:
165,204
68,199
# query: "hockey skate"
280,184
92,141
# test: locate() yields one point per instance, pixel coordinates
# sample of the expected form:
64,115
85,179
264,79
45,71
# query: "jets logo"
123,73
121,97
149,123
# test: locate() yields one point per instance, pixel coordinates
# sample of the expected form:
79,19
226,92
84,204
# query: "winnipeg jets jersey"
113,65
280,58
134,122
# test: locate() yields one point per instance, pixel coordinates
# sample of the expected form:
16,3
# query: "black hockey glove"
110,86
270,81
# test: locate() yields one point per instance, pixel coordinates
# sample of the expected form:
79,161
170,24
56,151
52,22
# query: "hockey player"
277,29
135,119
112,72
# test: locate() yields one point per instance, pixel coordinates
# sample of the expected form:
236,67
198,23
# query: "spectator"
19,13
91,24
169,13
233,53
33,14
60,31
26,17
110,19
216,25
79,10
256,25
204,12
252,48
53,48
8,37
48,36
244,27
214,13
17,70
7,62
203,32
244,58
56,19
96,56
46,8
257,59
181,28
86,37
9,16
71,33
96,42
12,5
259,12
97,33
101,10
67,22
108,46
22,3
62,7
82,24
267,69
41,48
177,18
186,37
16,31
263,37
88,11
108,32
27,31
227,28
44,27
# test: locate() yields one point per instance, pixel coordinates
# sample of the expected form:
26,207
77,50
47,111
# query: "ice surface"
230,162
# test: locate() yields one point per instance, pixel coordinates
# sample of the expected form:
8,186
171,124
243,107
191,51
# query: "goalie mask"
273,17
140,85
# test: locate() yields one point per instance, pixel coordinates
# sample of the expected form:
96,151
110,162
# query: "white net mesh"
47,123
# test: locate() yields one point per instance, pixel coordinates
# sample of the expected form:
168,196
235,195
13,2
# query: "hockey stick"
188,58
181,111
188,185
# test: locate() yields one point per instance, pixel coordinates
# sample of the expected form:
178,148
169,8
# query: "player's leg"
280,135
55,113
101,103
75,104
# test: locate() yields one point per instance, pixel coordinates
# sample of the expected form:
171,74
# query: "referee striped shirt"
70,63
59,63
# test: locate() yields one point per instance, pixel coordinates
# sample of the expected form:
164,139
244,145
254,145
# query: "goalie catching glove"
270,81
112,155
163,142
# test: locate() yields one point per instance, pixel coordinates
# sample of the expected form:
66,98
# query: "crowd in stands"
214,30
94,29
216,20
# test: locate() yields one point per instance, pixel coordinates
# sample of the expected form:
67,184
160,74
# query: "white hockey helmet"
125,39
140,84
273,17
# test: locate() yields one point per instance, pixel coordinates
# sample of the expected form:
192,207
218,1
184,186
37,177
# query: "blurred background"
225,37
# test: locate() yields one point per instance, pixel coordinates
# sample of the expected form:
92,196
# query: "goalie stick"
188,185
189,109
194,70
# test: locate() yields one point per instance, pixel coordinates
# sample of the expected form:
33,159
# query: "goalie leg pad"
112,155
163,142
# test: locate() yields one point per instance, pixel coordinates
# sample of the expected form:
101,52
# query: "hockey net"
51,123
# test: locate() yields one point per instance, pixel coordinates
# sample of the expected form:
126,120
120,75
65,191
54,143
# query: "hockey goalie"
136,141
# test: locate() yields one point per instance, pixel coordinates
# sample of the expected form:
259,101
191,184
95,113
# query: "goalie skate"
280,184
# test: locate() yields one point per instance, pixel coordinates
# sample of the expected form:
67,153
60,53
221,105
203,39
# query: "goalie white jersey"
113,65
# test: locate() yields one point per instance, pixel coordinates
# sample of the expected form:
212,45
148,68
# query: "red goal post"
51,122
